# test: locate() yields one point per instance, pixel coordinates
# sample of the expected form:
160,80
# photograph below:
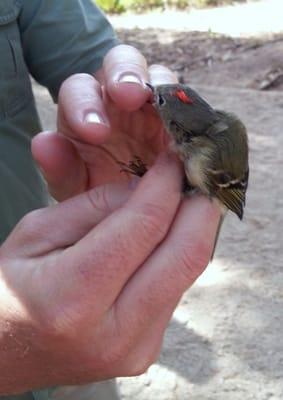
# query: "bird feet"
135,167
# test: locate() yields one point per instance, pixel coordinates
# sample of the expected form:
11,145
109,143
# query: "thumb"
63,224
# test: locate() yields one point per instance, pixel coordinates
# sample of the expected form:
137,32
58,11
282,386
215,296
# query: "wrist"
23,361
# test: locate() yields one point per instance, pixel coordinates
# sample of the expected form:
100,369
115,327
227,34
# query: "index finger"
125,73
81,111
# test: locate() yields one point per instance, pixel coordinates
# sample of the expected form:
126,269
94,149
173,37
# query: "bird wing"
234,199
229,190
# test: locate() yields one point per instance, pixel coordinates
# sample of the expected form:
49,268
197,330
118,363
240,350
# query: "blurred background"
225,341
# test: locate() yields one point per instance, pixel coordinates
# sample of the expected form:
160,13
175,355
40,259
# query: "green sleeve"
64,37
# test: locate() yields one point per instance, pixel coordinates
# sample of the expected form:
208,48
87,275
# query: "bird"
212,144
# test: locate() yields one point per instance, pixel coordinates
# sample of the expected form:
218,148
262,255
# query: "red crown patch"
183,97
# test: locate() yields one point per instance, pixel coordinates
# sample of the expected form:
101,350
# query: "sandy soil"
225,340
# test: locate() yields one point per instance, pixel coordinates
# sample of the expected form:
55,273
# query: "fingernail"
93,118
46,132
130,78
133,183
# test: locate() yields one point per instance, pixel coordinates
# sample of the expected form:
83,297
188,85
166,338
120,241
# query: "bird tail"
217,235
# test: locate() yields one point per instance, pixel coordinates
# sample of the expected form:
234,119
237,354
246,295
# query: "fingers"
53,228
82,122
173,267
147,303
105,258
81,112
61,165
161,75
125,73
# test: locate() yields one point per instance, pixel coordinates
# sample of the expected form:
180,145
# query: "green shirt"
50,40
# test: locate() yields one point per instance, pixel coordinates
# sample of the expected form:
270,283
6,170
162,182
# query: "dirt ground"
225,340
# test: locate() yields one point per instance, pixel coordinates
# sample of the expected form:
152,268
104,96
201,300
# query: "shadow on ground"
188,354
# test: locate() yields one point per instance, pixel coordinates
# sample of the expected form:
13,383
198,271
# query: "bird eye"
161,100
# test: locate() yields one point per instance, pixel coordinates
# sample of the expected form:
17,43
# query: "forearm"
22,364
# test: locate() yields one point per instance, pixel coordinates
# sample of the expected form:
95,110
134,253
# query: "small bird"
212,144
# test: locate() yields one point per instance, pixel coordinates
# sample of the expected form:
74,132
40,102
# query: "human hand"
95,129
88,286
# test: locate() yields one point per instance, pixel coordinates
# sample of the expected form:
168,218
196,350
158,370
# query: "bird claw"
135,167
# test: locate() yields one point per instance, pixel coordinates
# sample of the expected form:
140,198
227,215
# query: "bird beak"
149,86
152,94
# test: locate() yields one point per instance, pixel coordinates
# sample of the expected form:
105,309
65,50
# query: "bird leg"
135,167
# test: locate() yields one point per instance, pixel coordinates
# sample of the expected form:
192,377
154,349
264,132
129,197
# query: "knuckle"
74,82
75,78
60,322
30,223
192,259
138,368
153,220
114,354
140,364
98,199
49,325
